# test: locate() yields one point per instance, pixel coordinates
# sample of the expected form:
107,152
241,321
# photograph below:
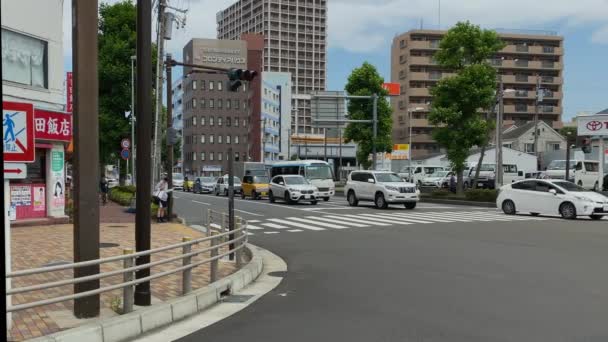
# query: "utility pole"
231,199
499,119
144,131
325,145
568,156
263,137
539,99
86,153
169,143
160,45
375,128
133,173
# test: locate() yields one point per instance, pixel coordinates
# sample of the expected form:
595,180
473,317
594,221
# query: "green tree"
365,80
569,131
116,43
457,100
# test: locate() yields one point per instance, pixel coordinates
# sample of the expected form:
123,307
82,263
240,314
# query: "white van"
424,171
587,174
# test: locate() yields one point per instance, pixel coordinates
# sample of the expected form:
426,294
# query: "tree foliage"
569,132
116,43
457,100
365,80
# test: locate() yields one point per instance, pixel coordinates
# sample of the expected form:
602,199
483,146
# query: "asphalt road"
435,273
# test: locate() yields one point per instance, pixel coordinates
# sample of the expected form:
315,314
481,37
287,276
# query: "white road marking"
418,216
295,224
201,202
275,226
252,227
295,230
324,218
322,224
334,208
374,219
402,219
253,221
271,232
250,233
357,220
247,212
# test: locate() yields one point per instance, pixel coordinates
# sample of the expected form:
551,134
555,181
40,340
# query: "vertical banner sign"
39,198
56,182
69,91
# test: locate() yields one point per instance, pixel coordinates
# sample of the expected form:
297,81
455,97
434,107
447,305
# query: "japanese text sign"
53,125
69,91
18,132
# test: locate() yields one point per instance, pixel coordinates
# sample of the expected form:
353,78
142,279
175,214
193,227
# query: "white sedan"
551,197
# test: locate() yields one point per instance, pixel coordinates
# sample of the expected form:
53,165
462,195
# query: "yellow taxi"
255,187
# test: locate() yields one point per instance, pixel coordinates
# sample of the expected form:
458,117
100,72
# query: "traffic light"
236,76
586,145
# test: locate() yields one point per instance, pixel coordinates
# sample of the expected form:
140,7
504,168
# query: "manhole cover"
56,263
108,244
117,226
237,298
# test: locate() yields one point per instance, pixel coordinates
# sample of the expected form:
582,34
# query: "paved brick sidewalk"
37,246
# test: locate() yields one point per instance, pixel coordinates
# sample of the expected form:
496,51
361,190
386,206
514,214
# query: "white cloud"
362,26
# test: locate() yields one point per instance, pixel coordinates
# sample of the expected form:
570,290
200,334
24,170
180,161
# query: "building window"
193,84
194,121
236,156
548,49
521,107
211,121
202,138
219,156
220,138
202,103
236,122
228,122
193,156
228,104
220,103
24,59
202,84
211,102
529,148
211,156
203,156
193,103
508,145
211,138
236,104
554,147
244,87
202,121
210,85
244,122
228,139
219,85
236,139
219,121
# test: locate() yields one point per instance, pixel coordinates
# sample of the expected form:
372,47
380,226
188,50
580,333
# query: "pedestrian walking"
162,194
185,183
103,189
452,183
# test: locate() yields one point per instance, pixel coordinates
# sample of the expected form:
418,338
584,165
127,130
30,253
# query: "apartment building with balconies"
295,39
528,57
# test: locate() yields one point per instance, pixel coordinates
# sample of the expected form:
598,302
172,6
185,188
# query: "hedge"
481,195
120,196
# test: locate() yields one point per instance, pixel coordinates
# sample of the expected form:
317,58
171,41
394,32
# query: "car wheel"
580,183
243,194
325,199
217,192
270,196
410,205
226,192
596,217
596,187
314,202
287,197
254,195
352,198
568,211
508,207
380,201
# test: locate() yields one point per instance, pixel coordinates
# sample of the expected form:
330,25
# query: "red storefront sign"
69,88
54,126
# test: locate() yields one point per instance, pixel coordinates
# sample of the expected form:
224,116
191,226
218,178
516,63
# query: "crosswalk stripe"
426,218
250,233
324,218
252,227
253,221
275,226
322,224
395,219
295,230
271,232
490,216
295,224
468,217
357,220
374,219
452,217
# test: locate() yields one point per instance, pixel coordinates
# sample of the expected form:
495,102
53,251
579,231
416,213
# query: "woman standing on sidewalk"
162,189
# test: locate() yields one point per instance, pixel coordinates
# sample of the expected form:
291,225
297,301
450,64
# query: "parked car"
221,186
551,197
439,179
178,181
292,189
420,172
204,185
381,187
112,182
255,187
587,174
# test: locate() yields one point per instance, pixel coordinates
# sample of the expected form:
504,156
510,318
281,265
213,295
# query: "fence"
218,237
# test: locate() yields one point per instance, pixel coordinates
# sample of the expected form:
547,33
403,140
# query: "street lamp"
499,118
133,59
409,120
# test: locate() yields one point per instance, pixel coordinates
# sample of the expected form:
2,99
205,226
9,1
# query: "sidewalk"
37,246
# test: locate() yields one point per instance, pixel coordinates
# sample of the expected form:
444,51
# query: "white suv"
292,189
381,187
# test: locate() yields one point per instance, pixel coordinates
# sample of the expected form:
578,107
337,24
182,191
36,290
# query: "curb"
134,324
458,202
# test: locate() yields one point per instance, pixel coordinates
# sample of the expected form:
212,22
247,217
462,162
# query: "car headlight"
291,189
584,199
391,188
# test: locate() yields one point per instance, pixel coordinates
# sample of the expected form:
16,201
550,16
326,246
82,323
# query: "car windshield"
318,171
178,176
485,167
295,180
571,187
560,165
207,180
260,179
440,174
388,178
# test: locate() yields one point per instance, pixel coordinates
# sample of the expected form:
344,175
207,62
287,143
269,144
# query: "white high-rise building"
295,41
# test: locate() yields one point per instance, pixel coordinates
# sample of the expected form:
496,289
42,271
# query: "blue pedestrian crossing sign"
18,132
125,154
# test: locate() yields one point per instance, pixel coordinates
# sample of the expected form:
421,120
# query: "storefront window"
24,59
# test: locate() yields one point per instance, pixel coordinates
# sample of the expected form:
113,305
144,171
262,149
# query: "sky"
362,30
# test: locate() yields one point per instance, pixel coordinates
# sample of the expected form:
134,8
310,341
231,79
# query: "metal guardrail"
218,236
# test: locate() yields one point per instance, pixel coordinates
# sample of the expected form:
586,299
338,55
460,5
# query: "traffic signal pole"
169,143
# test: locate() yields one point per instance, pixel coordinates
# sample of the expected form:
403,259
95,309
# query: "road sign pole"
231,198
144,132
602,160
375,128
169,144
86,153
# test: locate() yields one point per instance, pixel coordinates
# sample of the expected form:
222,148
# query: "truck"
242,169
